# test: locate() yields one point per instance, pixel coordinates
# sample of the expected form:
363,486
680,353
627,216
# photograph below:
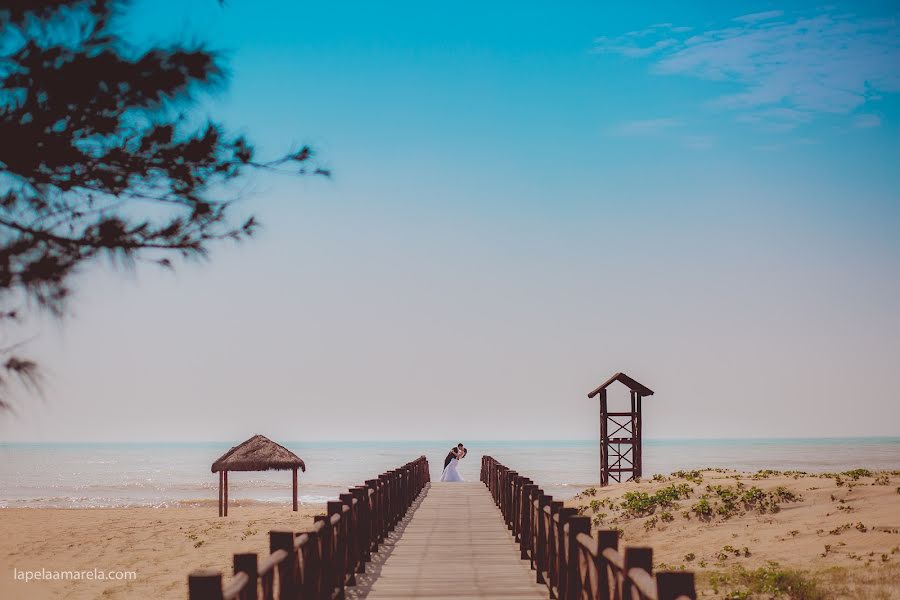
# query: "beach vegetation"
702,508
771,580
855,474
882,479
587,492
732,500
692,476
689,556
643,503
840,529
765,474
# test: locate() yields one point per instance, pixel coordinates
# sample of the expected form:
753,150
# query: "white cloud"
646,127
789,70
867,121
760,16
631,50
699,142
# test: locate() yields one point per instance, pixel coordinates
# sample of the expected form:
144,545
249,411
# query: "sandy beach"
836,536
160,544
839,533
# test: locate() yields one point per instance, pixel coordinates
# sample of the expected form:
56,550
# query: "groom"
456,452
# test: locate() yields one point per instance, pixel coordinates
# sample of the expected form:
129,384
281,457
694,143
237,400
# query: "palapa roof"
633,385
259,453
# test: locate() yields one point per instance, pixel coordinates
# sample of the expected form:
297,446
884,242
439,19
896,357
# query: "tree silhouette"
99,157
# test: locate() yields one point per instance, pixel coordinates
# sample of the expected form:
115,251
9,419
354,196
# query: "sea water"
84,475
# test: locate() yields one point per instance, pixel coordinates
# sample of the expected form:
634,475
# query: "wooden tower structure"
620,433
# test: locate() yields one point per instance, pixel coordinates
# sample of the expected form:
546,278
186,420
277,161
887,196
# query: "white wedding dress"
450,473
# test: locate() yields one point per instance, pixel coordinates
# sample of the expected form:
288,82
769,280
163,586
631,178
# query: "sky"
527,197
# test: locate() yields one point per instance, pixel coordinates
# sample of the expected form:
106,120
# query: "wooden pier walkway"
401,537
453,543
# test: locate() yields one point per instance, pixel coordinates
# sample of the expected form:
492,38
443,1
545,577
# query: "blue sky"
527,197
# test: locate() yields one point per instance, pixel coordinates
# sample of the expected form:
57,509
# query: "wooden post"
675,584
220,493
562,567
638,434
295,489
339,551
288,582
248,563
604,442
326,552
636,558
205,584
541,537
576,525
606,538
225,499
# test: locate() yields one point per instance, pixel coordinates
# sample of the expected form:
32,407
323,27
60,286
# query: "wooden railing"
318,564
574,563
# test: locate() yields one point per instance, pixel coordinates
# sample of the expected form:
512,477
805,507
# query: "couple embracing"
457,453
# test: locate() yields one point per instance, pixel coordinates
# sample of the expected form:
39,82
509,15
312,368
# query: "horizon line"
436,440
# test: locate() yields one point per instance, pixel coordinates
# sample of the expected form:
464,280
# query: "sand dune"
839,534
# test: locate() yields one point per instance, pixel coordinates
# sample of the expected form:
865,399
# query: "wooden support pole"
604,442
638,452
636,558
288,582
248,563
576,525
295,489
225,498
205,584
671,585
606,538
220,493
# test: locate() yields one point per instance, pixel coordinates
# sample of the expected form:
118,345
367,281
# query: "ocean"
87,475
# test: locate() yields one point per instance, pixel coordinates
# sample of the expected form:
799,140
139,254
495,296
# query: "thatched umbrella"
259,453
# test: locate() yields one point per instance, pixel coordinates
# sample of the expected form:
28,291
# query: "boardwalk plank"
453,544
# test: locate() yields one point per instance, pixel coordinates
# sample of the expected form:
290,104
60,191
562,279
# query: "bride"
450,473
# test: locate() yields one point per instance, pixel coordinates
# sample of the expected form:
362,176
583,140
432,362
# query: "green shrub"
702,508
693,476
770,580
857,473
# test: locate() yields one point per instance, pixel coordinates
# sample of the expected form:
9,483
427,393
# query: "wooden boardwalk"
453,544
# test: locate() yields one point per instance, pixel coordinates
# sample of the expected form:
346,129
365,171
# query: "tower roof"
632,384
